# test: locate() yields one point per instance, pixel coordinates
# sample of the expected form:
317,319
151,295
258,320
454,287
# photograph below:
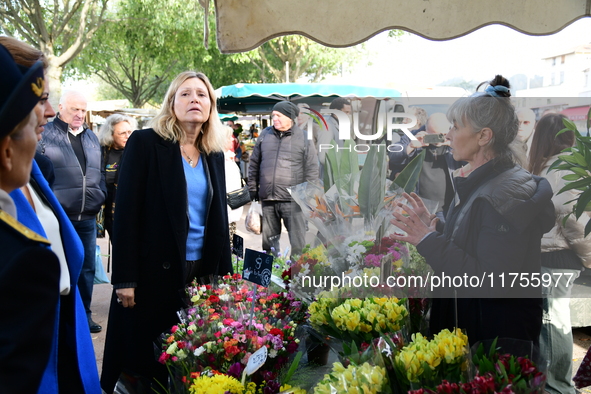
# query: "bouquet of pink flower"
223,329
396,251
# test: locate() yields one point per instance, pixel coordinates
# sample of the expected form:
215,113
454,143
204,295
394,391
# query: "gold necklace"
187,156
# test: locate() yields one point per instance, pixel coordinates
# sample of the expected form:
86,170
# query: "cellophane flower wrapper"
337,215
332,213
342,322
354,246
372,267
424,363
312,263
364,373
514,365
388,346
419,297
221,331
394,197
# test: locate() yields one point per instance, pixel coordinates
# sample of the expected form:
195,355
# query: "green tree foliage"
306,59
461,83
396,33
61,29
143,44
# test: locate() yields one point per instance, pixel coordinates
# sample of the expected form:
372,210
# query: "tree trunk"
54,77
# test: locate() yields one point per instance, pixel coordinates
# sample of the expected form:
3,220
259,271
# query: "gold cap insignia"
38,86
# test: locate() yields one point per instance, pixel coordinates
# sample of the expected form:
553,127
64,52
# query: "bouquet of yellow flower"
424,363
213,382
358,320
364,378
218,384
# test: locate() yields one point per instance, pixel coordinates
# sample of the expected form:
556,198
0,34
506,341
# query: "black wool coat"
149,250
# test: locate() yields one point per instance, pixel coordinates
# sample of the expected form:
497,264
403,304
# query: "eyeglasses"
122,133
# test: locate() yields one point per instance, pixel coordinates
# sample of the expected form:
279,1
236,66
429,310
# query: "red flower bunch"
219,331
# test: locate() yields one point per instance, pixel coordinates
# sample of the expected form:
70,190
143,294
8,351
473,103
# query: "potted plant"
577,160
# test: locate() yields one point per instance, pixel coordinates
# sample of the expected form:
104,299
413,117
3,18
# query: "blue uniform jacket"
75,318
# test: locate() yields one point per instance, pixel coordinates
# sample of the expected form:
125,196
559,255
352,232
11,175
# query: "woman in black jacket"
113,136
171,226
493,227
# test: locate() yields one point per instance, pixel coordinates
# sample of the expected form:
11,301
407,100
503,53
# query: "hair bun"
497,87
499,81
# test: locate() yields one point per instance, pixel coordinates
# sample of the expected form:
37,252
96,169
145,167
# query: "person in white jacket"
565,250
233,180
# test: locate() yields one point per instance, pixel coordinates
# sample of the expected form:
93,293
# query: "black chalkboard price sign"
257,267
238,245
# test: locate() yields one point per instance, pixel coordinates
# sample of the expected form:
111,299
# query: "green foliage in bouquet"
341,169
281,263
417,261
409,176
372,183
577,160
520,374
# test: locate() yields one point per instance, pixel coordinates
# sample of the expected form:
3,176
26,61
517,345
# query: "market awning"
243,25
576,113
260,97
227,117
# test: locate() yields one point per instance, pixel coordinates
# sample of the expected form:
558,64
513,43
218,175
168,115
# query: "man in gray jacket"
283,157
79,183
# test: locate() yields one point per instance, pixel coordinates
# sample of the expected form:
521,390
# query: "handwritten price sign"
257,267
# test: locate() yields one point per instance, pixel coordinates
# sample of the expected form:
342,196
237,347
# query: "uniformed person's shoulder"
14,231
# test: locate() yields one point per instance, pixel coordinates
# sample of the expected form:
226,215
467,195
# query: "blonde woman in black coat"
170,226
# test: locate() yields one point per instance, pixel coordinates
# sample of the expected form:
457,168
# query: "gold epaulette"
24,230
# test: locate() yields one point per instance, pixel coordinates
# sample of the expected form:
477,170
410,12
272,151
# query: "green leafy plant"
368,185
341,168
409,176
518,373
577,160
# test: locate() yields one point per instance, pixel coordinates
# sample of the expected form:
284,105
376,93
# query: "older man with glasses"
79,183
